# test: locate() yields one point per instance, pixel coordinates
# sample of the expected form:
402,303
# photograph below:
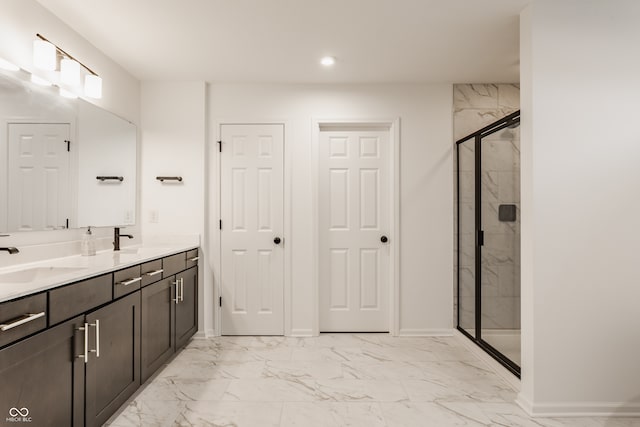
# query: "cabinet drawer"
22,317
192,258
174,264
151,272
71,300
126,281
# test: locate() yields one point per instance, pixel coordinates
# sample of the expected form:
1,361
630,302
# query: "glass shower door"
466,241
500,224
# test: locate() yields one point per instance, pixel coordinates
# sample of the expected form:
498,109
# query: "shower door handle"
480,237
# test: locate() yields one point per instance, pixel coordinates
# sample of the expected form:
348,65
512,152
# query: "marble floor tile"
329,414
332,380
148,413
185,369
186,389
237,414
273,390
346,390
292,369
423,414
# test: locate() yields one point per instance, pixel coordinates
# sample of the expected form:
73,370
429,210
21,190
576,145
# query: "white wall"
173,131
20,20
426,193
580,207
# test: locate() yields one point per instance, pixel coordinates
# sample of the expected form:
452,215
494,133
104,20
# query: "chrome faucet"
11,250
117,236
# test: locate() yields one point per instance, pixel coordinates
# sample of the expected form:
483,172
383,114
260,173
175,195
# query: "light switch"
153,216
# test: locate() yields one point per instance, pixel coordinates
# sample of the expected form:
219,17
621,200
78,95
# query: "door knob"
277,240
384,239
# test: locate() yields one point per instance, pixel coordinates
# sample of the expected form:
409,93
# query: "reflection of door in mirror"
39,190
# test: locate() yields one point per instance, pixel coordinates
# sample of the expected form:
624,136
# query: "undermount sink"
36,273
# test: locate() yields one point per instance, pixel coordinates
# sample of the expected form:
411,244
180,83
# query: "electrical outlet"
128,217
153,216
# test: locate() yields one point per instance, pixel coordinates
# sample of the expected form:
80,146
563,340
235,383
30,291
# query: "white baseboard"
579,409
408,332
492,363
301,333
204,334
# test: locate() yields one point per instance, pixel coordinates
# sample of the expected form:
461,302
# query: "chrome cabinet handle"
85,328
181,289
97,349
21,321
177,298
195,258
154,273
130,281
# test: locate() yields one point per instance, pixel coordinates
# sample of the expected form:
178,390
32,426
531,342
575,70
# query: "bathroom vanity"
79,335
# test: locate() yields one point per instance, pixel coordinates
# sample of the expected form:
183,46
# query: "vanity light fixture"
69,72
328,61
6,65
44,54
70,67
93,86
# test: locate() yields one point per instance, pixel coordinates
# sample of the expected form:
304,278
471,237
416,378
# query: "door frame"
393,125
215,212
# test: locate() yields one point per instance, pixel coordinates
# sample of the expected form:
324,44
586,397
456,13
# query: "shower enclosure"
488,239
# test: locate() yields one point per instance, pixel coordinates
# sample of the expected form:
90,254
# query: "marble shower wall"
476,106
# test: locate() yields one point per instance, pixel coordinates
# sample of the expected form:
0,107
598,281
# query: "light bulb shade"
44,55
40,81
70,72
93,86
67,94
6,65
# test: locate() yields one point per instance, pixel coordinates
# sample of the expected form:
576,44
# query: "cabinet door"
113,374
42,379
187,307
158,327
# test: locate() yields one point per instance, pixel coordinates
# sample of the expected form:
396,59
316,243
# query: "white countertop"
26,279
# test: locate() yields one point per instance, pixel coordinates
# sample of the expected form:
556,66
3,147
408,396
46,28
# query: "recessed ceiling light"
328,61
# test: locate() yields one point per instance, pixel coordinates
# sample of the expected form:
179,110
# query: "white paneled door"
39,189
354,222
252,241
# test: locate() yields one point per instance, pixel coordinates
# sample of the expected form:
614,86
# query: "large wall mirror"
65,162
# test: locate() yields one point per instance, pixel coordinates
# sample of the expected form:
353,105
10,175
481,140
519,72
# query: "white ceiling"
373,41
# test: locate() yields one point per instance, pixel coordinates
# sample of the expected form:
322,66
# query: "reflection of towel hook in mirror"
110,178
169,178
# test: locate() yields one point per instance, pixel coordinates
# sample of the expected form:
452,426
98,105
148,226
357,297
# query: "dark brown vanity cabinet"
80,370
158,326
169,317
113,365
186,306
42,378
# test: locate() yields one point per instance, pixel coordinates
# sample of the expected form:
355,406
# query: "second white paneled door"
252,208
354,222
39,192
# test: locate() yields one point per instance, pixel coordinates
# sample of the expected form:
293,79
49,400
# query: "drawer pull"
85,355
195,258
154,273
21,321
130,281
